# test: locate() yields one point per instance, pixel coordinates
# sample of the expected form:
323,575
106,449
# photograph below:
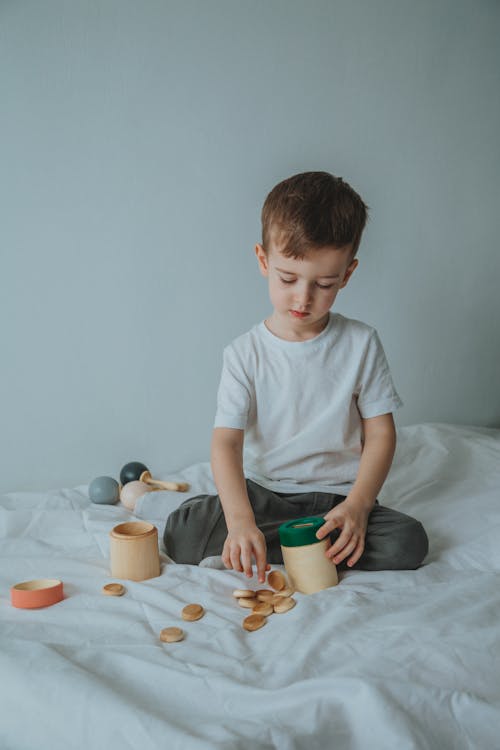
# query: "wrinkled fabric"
406,659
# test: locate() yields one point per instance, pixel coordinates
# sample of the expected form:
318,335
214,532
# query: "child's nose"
303,296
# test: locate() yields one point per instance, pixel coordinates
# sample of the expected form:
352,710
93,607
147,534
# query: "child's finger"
357,553
260,559
246,559
346,551
235,558
226,558
327,528
340,543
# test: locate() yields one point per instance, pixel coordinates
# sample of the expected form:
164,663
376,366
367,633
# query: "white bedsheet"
405,659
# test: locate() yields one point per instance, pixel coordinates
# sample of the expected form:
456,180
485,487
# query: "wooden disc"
285,592
243,594
192,612
113,589
171,635
248,603
265,595
254,622
276,599
263,608
284,604
276,580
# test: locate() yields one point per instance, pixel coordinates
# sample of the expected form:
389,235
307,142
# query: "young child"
304,421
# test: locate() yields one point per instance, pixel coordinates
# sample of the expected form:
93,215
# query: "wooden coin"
276,599
171,635
243,594
192,612
113,589
276,580
248,603
285,592
263,608
265,596
254,622
284,604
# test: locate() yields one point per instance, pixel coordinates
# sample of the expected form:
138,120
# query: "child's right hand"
244,542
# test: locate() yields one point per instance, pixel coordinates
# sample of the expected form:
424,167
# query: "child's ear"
349,272
262,259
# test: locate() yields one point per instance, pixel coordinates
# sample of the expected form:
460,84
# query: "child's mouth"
297,314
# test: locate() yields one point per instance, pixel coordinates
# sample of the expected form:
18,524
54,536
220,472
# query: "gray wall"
138,142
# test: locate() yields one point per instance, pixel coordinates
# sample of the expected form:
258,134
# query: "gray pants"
197,529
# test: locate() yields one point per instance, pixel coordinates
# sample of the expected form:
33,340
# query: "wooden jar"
134,551
307,567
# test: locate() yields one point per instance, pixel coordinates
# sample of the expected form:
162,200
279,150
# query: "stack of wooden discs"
264,602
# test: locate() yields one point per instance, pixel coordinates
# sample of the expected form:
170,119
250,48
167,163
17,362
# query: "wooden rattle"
132,491
174,486
137,471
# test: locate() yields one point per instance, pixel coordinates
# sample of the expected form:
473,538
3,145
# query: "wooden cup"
134,551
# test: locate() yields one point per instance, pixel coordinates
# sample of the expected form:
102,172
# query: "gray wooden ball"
104,490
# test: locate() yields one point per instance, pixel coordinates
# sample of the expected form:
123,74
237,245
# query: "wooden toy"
263,608
192,612
137,471
41,592
307,567
265,602
284,604
264,595
276,580
254,622
244,594
171,635
247,602
113,589
173,486
285,592
132,491
134,551
104,490
132,471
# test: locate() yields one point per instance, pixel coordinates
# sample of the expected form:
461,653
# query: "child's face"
303,291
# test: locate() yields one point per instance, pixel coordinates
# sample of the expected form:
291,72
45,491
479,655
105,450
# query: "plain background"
138,143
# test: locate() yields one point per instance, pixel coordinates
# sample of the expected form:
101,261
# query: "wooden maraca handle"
174,486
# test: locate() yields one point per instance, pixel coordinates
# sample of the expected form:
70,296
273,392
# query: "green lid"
300,531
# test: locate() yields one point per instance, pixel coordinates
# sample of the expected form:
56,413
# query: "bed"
395,659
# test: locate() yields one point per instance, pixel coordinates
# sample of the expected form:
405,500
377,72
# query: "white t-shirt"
300,403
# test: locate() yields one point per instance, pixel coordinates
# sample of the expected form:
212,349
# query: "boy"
309,397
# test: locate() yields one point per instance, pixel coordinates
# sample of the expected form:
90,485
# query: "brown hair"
312,210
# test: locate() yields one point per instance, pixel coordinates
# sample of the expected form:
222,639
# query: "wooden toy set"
135,481
134,550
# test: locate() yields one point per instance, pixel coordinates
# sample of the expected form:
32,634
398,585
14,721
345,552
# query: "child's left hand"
352,519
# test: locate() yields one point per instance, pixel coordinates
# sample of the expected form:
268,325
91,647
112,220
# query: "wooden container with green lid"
307,567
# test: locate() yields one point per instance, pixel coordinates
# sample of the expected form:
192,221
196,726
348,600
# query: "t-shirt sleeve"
376,393
234,394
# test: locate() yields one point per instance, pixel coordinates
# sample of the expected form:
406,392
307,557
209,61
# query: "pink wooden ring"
42,592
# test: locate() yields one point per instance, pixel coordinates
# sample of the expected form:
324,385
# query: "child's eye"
324,286
287,281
